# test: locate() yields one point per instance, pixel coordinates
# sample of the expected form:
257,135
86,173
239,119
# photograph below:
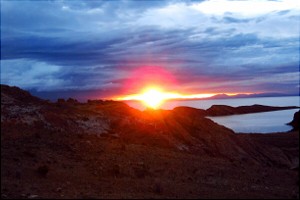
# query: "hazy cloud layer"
86,47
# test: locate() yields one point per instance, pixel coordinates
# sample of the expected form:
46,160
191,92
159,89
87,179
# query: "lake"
265,122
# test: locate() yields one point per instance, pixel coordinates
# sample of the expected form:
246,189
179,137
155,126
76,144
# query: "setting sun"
152,98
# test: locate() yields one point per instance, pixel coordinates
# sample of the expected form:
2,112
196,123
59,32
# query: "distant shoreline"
211,98
234,102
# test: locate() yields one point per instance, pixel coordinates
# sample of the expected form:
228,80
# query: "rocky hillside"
183,128
221,110
81,144
178,129
296,121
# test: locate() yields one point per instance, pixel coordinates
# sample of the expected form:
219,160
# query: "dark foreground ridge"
106,149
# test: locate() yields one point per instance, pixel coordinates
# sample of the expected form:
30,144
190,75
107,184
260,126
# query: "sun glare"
152,98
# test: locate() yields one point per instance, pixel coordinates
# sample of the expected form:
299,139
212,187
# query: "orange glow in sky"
154,97
154,85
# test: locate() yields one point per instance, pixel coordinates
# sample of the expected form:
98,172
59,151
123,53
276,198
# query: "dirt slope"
106,149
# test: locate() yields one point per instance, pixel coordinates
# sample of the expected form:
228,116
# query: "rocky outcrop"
221,110
15,94
296,121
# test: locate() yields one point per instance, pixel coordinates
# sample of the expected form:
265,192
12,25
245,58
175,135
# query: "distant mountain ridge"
225,96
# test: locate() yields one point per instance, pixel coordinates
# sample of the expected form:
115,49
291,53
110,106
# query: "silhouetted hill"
225,96
11,94
97,149
296,121
221,110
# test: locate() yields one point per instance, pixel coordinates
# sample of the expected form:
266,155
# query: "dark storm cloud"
92,46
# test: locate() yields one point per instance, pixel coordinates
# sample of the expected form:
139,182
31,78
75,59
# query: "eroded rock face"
296,121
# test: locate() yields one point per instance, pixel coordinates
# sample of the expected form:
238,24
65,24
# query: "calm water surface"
265,122
205,104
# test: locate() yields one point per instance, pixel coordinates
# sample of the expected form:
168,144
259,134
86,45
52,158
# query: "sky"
104,49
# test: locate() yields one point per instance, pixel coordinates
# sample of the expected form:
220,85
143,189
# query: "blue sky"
90,49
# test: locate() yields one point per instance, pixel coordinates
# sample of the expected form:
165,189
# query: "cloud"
246,8
93,46
30,74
